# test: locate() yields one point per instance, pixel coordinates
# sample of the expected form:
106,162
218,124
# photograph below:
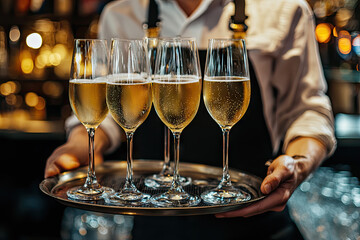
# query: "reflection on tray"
112,174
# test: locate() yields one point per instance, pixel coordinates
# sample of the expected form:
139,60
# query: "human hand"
283,176
74,153
67,157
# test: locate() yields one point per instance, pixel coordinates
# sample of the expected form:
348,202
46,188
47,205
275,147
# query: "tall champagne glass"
129,98
87,89
164,177
226,92
176,97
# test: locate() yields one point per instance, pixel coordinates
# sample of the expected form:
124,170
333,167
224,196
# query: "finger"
281,170
274,209
98,158
51,170
274,202
281,160
67,162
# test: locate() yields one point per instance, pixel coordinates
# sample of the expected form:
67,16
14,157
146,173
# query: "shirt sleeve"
108,28
111,24
302,107
108,125
122,19
108,24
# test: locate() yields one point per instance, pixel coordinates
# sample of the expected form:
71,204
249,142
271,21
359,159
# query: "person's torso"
201,141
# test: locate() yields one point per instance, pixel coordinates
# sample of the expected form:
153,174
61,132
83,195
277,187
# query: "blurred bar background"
36,38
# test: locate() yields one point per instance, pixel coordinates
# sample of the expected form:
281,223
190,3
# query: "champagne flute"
164,177
129,99
87,89
226,92
176,97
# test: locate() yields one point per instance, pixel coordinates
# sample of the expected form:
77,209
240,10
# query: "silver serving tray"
112,174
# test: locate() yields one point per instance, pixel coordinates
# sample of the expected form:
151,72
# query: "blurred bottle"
5,6
63,7
3,53
22,7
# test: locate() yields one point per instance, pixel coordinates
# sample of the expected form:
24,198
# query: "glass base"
225,196
88,194
168,199
164,181
128,199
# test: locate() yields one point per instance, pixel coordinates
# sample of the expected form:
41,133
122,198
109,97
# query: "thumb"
281,169
98,158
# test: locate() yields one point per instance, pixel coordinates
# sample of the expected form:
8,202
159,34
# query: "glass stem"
225,180
129,174
91,181
166,170
175,186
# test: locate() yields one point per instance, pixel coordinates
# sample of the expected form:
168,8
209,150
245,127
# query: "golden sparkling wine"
226,99
129,102
88,101
176,102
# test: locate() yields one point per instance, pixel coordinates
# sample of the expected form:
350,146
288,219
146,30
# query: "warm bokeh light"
5,89
61,36
323,32
82,231
19,101
344,45
35,5
12,86
44,55
63,70
344,33
27,65
51,56
344,42
343,16
41,104
61,50
15,86
44,25
320,9
34,40
11,99
40,62
14,34
9,87
52,89
31,99
335,33
55,59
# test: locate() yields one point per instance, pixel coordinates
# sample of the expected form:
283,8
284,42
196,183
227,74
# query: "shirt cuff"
315,125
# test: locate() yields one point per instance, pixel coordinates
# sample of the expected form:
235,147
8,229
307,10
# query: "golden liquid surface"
176,103
88,101
129,103
226,100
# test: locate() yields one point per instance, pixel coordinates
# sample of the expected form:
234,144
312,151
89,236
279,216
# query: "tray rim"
80,173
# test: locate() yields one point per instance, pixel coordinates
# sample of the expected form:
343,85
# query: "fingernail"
267,188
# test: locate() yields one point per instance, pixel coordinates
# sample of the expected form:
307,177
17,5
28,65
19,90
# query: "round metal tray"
112,174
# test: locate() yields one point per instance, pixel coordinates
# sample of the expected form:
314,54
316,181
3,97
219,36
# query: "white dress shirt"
281,45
